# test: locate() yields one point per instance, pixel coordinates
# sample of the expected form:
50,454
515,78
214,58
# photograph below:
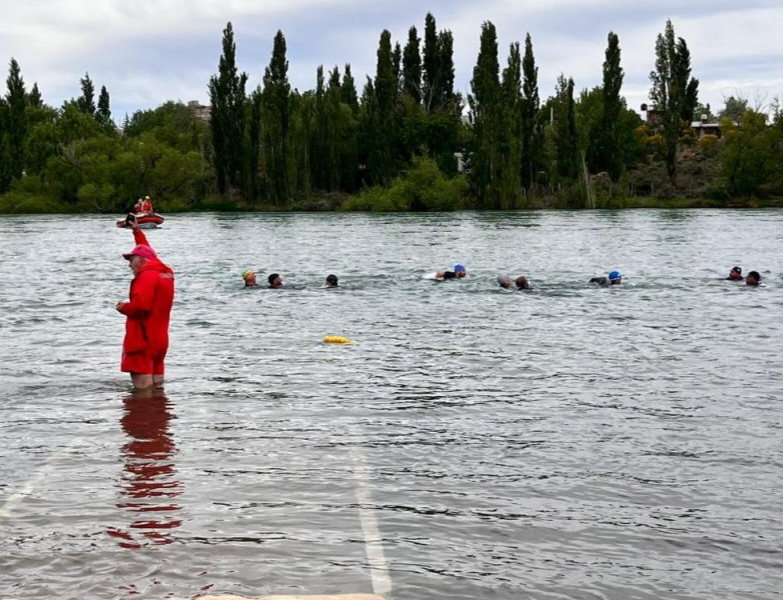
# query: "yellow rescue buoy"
336,339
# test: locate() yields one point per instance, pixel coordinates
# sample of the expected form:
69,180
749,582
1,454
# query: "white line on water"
29,487
373,546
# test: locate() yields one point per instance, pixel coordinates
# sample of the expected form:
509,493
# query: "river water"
568,442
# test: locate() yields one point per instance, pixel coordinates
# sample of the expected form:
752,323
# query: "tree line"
409,141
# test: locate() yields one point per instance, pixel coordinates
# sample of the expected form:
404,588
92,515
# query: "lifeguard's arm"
141,297
139,236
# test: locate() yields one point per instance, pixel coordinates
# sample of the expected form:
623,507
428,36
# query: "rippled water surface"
568,442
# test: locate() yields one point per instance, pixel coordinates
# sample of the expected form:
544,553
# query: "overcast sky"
148,52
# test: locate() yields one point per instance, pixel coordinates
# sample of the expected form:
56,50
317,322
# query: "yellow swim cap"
247,273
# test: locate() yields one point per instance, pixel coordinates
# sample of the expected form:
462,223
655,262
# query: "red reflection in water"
149,478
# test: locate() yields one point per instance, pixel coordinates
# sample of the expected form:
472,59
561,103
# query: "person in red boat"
146,205
148,312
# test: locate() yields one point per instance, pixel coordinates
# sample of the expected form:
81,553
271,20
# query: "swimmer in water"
458,273
735,274
249,276
614,278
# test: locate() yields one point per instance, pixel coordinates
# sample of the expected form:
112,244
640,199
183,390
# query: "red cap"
140,250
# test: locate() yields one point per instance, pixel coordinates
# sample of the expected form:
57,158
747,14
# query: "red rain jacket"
151,297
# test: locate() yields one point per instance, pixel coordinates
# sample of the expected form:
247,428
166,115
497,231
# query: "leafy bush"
422,188
20,202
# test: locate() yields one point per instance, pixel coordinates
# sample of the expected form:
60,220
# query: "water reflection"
148,483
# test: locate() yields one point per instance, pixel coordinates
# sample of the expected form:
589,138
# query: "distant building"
199,110
699,128
703,127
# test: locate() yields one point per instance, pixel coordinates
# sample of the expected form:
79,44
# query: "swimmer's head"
615,277
249,275
504,281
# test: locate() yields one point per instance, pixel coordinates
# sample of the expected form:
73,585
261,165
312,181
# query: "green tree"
411,67
430,63
34,99
445,68
509,134
485,101
567,143
752,155
86,102
103,114
276,120
378,117
348,93
16,125
609,148
734,109
674,92
531,137
227,118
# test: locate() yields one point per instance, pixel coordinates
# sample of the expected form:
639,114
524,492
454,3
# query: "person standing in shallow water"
147,312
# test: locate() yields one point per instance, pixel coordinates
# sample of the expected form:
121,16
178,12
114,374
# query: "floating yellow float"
336,339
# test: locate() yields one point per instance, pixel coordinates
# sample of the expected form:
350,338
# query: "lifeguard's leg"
158,367
141,381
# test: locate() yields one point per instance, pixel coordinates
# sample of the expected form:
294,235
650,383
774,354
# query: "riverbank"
337,203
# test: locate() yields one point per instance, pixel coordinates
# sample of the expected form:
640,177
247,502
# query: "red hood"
153,264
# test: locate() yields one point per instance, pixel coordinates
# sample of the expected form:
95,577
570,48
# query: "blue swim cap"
614,275
458,268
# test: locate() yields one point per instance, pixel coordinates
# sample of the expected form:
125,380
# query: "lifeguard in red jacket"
148,311
146,205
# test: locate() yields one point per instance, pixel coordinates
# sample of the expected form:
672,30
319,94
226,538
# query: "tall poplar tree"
610,150
17,124
253,147
674,92
34,97
445,79
531,137
485,100
86,102
227,116
411,67
509,133
430,62
567,147
103,114
277,92
348,93
379,128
